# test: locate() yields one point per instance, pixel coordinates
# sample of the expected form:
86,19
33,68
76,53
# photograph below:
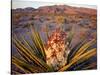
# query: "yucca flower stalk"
57,49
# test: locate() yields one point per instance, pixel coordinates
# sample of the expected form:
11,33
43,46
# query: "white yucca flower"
56,49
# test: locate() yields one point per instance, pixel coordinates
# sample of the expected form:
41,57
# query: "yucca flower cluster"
57,50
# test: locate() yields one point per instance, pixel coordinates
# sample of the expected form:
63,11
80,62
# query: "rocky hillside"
57,9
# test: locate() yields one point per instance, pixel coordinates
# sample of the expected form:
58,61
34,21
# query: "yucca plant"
37,56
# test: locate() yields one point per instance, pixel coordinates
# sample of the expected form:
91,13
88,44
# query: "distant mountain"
19,10
59,9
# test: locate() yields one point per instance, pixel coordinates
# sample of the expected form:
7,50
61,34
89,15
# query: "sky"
36,4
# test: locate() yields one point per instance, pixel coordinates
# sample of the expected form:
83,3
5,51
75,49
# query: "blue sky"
36,4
